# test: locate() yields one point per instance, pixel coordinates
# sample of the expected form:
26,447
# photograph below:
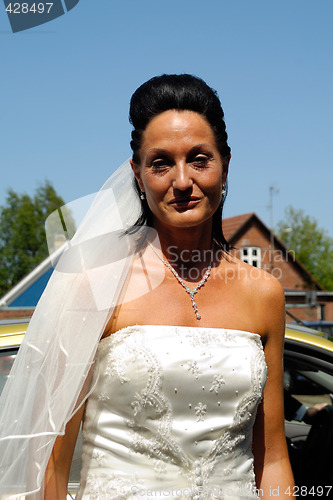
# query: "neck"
188,247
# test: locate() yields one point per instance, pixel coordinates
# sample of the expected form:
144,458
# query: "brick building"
254,243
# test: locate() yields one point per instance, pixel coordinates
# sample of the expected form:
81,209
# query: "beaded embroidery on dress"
171,414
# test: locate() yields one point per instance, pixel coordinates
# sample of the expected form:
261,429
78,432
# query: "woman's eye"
200,160
160,164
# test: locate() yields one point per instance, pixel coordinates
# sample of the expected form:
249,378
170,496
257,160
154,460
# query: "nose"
182,180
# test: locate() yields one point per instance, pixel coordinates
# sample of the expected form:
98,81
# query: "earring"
142,196
223,191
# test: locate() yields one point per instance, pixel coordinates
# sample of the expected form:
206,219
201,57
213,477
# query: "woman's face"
181,171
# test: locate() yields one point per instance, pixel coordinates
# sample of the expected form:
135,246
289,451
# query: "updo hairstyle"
179,92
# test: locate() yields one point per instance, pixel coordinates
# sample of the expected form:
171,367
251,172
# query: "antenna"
272,190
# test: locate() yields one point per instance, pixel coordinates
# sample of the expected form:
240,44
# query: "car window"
307,383
7,357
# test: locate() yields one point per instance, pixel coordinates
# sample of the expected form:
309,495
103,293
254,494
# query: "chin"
184,222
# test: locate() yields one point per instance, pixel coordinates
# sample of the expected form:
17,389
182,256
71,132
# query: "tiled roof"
231,225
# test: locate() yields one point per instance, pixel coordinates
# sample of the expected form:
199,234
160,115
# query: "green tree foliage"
311,244
22,235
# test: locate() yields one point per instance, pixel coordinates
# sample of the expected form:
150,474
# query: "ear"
225,165
137,174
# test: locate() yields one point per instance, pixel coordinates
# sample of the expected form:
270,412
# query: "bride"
178,403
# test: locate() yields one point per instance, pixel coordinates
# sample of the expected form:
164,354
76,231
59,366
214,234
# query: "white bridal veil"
48,374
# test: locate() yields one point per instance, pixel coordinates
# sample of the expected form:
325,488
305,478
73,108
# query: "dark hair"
180,92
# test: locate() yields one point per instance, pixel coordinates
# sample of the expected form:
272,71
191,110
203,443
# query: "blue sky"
66,85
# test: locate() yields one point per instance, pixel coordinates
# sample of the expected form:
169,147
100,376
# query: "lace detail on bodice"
172,409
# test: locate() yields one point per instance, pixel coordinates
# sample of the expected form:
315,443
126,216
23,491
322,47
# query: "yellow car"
308,378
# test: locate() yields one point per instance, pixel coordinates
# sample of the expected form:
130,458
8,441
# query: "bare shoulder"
253,279
268,302
267,287
261,296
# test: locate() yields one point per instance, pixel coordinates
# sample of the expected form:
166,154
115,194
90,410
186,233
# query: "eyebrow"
157,150
166,151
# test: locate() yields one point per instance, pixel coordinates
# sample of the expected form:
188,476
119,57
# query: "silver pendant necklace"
188,290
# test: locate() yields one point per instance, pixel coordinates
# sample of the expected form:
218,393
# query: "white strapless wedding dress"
171,414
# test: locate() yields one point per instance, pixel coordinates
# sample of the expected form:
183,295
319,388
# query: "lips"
185,202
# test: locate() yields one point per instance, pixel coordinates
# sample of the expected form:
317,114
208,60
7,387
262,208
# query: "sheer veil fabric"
46,384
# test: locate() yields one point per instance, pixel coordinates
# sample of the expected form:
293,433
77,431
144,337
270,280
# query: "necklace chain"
188,290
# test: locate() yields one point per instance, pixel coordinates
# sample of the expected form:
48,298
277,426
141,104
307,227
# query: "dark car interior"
308,377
